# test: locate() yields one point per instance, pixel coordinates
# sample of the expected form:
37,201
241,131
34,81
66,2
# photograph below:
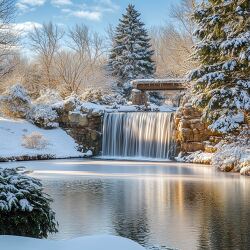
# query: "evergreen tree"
222,81
24,207
131,55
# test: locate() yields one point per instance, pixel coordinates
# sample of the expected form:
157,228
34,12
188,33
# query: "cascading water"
146,135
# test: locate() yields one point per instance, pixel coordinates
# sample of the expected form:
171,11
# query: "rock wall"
192,134
85,126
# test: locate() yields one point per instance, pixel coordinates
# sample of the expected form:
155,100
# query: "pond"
160,205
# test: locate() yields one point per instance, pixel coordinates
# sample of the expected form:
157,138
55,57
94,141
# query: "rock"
186,134
192,146
177,121
245,170
78,119
94,135
228,167
210,149
83,120
184,123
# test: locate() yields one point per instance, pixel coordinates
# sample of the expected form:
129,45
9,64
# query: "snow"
196,157
233,155
101,108
166,80
98,242
227,123
60,145
42,114
19,92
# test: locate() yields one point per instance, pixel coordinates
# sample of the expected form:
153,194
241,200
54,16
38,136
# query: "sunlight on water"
160,205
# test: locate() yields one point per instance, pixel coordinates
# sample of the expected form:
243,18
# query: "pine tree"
222,82
131,55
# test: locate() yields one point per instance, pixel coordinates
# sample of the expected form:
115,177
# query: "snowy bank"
56,143
232,155
102,242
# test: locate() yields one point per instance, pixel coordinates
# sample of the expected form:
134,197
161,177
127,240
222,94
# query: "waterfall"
140,135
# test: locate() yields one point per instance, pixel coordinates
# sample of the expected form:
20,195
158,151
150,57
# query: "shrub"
92,95
15,102
34,141
97,95
24,207
49,96
43,116
233,153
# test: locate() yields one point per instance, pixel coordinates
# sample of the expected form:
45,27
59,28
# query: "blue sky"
95,13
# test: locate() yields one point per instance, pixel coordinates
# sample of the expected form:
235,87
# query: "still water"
159,205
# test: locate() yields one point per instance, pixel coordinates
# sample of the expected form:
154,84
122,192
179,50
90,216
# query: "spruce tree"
222,81
131,55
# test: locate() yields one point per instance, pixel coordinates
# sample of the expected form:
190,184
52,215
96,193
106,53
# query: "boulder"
186,134
80,120
192,146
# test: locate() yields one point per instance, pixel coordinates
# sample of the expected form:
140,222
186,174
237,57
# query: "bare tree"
182,14
89,51
173,43
45,42
87,44
69,68
8,37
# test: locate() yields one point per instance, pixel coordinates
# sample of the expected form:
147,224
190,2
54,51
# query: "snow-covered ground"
100,108
102,242
12,132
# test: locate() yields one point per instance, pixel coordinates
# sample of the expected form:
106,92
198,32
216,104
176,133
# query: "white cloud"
94,11
25,27
91,15
33,2
61,2
29,5
106,6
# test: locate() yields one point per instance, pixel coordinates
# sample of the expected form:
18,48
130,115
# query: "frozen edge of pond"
96,242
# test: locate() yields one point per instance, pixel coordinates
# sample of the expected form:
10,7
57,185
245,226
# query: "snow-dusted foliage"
196,157
131,55
221,82
97,95
43,115
233,153
24,207
35,140
49,96
15,102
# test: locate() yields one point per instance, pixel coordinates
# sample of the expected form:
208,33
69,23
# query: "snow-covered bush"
15,102
70,103
43,116
196,157
24,207
92,95
233,153
35,140
99,96
113,99
48,96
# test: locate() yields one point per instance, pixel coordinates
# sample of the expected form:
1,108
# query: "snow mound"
102,242
12,132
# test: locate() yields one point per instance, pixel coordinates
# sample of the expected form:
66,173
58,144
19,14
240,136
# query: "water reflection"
159,205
